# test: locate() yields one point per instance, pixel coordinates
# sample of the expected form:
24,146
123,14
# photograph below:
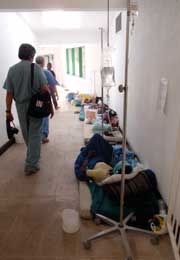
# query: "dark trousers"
52,92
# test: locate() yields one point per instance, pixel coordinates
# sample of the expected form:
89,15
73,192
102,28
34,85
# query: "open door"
174,204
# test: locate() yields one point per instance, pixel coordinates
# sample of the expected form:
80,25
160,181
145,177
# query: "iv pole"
121,227
102,89
125,89
118,226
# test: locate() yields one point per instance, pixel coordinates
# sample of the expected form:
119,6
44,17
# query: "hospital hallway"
115,66
31,207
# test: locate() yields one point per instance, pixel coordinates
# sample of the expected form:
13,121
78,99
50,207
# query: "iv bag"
108,77
108,71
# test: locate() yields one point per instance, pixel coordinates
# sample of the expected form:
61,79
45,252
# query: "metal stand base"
116,227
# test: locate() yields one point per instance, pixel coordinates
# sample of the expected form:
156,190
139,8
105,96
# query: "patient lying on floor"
99,164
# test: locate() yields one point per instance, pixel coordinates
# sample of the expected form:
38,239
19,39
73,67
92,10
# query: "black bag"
40,105
11,129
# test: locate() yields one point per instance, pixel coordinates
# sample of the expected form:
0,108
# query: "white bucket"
70,221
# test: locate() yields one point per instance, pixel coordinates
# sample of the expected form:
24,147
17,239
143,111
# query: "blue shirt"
50,78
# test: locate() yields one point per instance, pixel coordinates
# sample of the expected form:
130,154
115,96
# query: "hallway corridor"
30,207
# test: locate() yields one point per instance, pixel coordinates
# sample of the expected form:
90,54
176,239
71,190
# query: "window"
75,61
48,58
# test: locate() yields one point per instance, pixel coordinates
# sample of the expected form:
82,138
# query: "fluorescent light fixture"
62,19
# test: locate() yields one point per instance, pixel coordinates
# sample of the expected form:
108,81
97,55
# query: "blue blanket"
97,150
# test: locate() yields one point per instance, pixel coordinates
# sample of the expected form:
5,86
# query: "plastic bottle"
158,222
82,114
162,208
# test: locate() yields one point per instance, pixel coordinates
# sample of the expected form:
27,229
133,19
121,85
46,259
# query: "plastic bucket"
70,221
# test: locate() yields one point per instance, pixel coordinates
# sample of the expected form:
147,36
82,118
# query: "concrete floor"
30,207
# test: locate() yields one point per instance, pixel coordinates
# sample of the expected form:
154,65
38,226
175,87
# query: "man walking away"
18,87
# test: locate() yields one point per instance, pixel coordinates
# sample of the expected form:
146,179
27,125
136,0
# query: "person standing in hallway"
18,87
49,67
51,82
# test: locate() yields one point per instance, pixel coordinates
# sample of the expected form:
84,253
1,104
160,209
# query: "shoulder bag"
40,104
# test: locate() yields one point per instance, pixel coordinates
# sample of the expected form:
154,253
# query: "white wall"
117,43
69,36
154,54
13,32
74,83
57,53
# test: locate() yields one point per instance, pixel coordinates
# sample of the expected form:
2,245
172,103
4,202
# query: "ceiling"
56,20
59,27
32,5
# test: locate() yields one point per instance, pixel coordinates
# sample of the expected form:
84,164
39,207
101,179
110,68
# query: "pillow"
99,172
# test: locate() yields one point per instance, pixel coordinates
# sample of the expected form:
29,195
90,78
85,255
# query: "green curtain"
73,62
67,61
80,63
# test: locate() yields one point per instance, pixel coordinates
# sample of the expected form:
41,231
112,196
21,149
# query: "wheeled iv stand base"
122,230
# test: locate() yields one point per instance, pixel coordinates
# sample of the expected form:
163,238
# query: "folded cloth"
86,98
76,103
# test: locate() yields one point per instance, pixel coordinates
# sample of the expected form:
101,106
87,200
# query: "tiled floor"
30,207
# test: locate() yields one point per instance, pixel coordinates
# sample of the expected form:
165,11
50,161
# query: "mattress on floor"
85,200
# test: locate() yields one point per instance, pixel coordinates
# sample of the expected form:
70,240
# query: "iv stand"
102,89
121,227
